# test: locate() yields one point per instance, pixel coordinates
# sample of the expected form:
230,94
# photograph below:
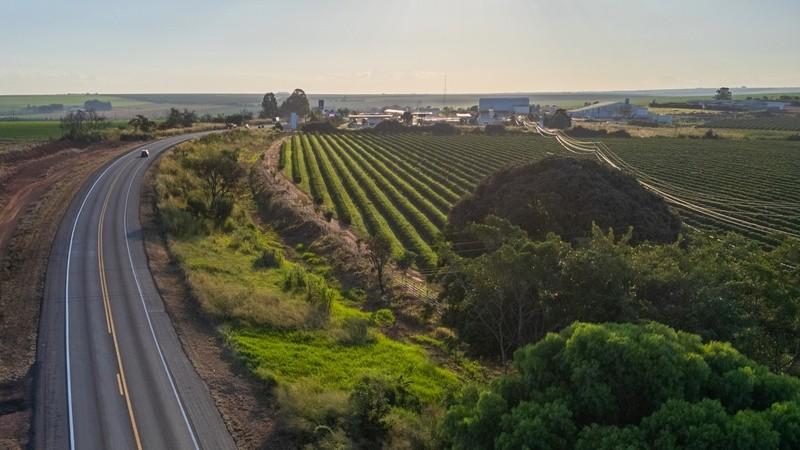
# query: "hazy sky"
399,46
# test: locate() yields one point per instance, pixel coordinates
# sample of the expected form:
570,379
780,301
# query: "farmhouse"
494,110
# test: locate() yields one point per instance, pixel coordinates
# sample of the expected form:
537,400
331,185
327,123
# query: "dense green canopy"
611,386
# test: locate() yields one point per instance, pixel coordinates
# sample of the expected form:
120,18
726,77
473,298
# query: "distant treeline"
97,105
42,109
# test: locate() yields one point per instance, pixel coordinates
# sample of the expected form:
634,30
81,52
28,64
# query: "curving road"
111,372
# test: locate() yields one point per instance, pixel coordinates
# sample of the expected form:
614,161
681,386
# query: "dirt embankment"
241,400
36,185
292,212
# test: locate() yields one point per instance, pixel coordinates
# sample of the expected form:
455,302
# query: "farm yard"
404,185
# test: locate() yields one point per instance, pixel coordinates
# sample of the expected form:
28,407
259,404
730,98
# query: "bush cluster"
611,386
582,132
566,196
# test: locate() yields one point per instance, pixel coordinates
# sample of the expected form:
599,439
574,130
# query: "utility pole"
444,93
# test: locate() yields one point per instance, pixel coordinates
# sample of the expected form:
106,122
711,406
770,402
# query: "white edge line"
147,314
66,299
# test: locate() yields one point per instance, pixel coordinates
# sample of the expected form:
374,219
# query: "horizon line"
516,92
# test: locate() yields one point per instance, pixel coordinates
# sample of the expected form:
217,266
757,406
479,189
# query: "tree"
559,120
408,118
627,386
406,260
369,404
514,289
297,103
142,123
379,254
220,174
179,119
83,126
723,93
269,106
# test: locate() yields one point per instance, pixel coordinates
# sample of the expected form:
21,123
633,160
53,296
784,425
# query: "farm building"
367,119
494,110
611,111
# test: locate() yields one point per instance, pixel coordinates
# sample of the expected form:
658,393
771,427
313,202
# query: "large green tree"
611,386
297,102
142,123
269,106
220,175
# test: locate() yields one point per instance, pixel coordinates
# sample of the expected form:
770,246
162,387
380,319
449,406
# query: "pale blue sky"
399,46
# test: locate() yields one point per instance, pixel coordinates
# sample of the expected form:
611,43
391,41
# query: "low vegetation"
338,379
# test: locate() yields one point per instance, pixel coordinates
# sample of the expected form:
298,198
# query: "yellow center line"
122,383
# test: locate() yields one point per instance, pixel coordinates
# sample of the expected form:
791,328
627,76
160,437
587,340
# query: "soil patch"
36,186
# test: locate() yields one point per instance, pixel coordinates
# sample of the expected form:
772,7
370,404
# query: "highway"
110,370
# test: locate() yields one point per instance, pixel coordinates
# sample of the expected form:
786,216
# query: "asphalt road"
111,373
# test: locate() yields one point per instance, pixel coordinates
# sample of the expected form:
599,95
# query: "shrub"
369,404
794,137
356,331
223,209
196,204
389,126
493,130
443,129
710,135
619,134
180,222
135,136
318,127
270,258
383,318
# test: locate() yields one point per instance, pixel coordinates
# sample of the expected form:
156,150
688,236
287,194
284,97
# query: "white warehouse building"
611,111
618,111
495,110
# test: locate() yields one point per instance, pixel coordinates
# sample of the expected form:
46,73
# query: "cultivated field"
400,185
757,182
29,130
782,123
404,185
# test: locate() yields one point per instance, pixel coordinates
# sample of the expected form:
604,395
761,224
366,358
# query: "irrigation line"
605,155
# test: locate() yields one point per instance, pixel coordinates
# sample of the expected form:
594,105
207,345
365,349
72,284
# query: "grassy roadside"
338,378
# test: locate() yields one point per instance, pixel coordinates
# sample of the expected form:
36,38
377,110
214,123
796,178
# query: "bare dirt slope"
36,185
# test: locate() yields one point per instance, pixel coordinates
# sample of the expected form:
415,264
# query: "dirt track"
36,185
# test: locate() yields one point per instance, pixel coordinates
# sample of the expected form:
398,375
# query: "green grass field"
16,102
33,130
37,130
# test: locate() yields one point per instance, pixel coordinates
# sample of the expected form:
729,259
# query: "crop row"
400,186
